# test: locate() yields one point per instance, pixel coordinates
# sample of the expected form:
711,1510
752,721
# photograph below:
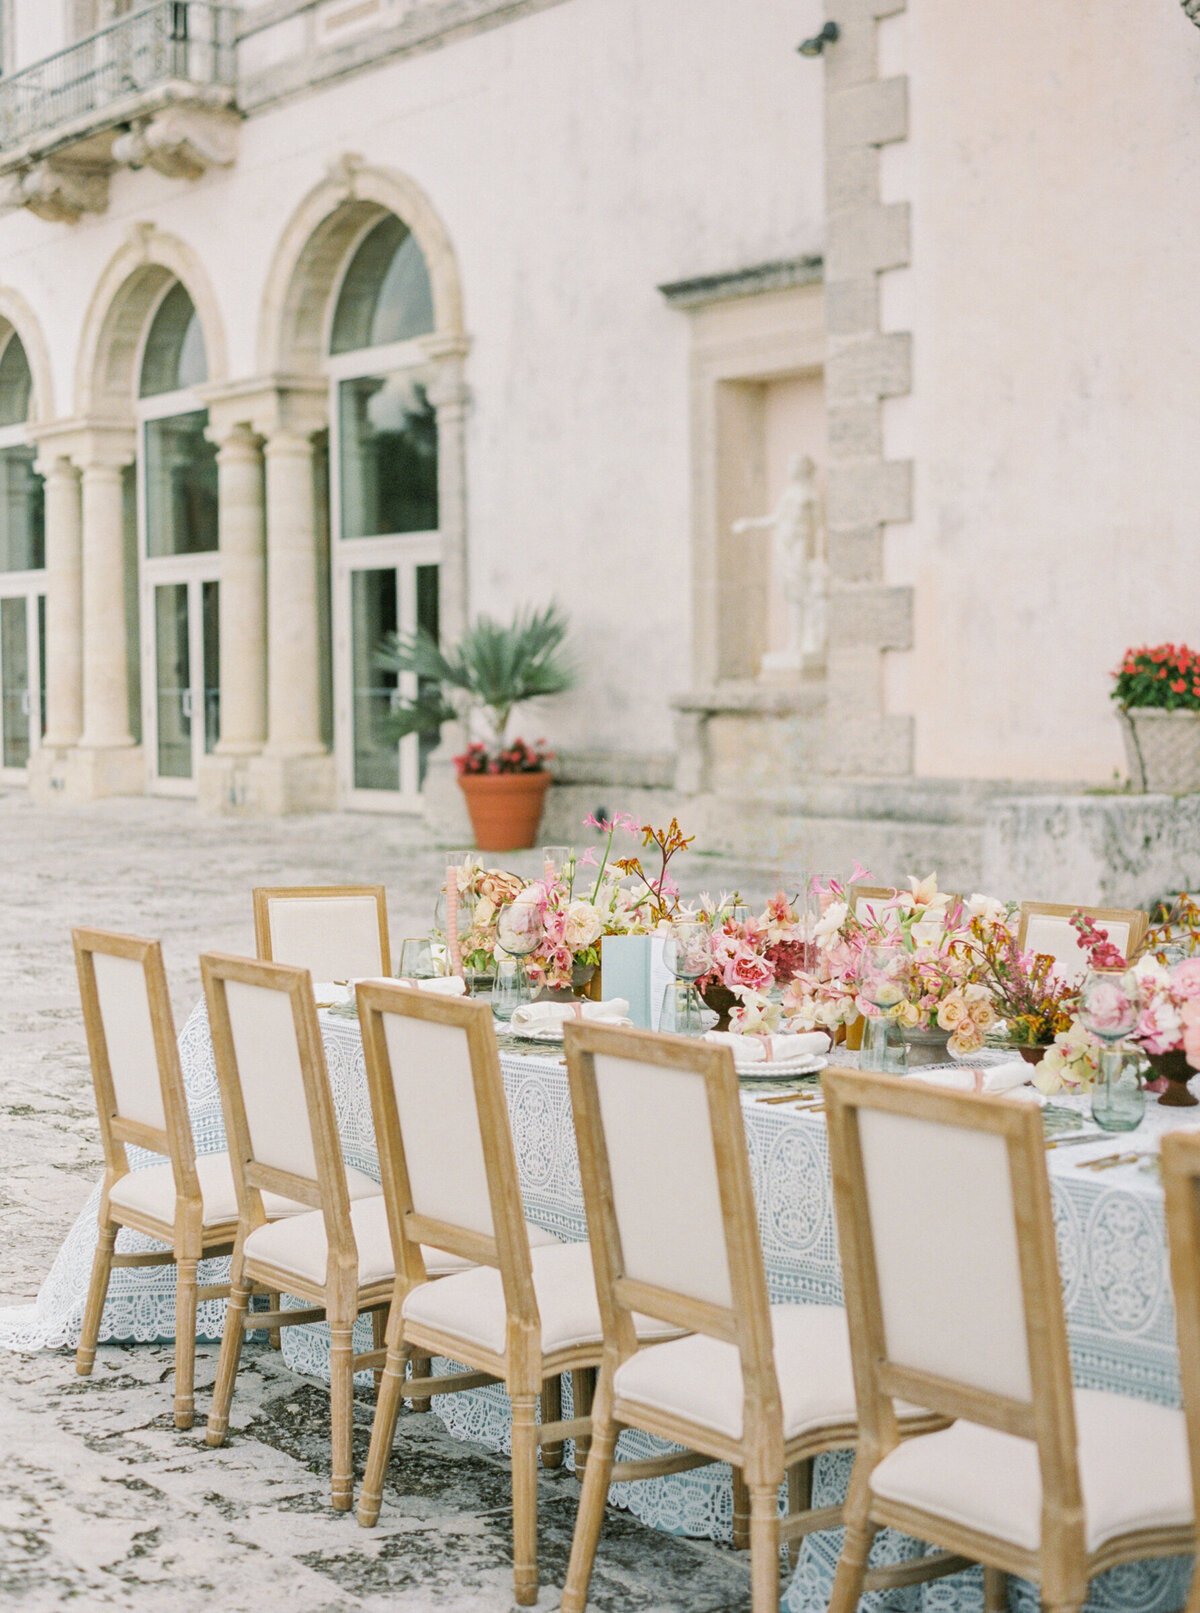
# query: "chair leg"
856,1548
274,1334
592,1501
524,1491
422,1367
185,1342
341,1397
741,1511
995,1590
379,1320
93,1312
583,1390
800,1500
383,1429
764,1548
552,1451
227,1363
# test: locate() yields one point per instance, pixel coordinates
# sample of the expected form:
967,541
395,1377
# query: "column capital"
267,404
234,440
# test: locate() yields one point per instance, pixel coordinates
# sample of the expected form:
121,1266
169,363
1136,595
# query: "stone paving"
102,1501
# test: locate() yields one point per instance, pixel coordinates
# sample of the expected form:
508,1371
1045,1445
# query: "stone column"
105,661
243,595
294,773
64,604
293,677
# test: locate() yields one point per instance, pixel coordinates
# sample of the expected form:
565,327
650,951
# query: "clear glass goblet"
688,955
1109,1005
884,983
417,959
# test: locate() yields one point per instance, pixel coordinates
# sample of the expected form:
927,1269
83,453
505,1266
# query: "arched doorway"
362,315
386,544
177,548
22,568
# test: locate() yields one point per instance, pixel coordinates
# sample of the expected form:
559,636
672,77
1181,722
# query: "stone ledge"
778,276
755,699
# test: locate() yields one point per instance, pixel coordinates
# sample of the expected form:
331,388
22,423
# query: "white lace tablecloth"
1111,1250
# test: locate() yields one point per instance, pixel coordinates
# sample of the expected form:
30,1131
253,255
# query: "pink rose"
1191,1032
747,969
1185,978
1107,1008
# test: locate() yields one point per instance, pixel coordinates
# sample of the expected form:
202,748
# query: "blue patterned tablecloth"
1111,1250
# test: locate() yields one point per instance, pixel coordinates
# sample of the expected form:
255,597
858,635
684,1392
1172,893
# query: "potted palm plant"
478,682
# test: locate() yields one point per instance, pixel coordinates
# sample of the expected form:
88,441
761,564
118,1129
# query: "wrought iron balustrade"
188,42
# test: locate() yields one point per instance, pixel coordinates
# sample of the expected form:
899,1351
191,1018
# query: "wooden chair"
1045,927
954,1301
189,1204
866,901
527,1313
283,1139
1181,1183
674,1235
336,932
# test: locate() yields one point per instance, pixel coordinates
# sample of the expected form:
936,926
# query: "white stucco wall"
1054,171
579,157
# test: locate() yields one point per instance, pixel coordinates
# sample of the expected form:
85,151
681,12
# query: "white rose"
830,921
583,925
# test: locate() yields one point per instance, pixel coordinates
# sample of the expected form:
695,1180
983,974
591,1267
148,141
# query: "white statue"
800,569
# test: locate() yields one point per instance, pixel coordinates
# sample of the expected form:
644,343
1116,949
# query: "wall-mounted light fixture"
814,46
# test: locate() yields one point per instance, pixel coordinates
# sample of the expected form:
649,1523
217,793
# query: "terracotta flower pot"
505,808
1179,1072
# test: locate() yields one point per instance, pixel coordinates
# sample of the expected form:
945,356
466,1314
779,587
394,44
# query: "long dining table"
1112,1255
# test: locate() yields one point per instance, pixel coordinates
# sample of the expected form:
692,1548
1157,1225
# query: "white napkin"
995,1078
757,1049
542,1015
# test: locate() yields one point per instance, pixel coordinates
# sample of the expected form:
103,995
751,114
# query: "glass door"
183,716
22,680
371,602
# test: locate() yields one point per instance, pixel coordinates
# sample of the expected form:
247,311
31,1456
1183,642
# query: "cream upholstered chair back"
666,1181
869,903
280,1123
948,1257
1046,928
442,1126
131,1044
336,932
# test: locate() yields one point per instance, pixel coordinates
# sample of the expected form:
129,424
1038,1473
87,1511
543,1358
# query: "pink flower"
1191,1032
747,969
1107,1007
1185,979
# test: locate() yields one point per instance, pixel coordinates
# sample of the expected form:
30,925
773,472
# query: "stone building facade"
326,317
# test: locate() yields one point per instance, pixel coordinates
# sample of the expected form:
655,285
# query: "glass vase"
1118,1098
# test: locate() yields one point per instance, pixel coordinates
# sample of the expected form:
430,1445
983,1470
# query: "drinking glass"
1109,1004
510,988
884,983
417,961
519,931
688,955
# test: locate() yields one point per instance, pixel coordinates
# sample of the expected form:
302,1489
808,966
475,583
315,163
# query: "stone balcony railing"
156,88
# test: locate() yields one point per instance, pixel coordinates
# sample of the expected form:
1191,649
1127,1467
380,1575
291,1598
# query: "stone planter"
505,808
1162,750
926,1045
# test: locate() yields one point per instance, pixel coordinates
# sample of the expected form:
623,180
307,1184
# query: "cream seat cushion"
700,1378
1133,1471
299,1245
471,1306
152,1192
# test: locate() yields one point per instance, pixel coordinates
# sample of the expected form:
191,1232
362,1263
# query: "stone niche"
751,720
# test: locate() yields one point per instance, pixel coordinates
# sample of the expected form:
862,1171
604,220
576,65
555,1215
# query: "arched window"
177,509
22,559
385,476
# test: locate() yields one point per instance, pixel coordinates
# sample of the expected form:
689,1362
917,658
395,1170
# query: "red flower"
1178,685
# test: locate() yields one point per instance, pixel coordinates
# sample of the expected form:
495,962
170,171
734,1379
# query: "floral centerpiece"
751,958
942,994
